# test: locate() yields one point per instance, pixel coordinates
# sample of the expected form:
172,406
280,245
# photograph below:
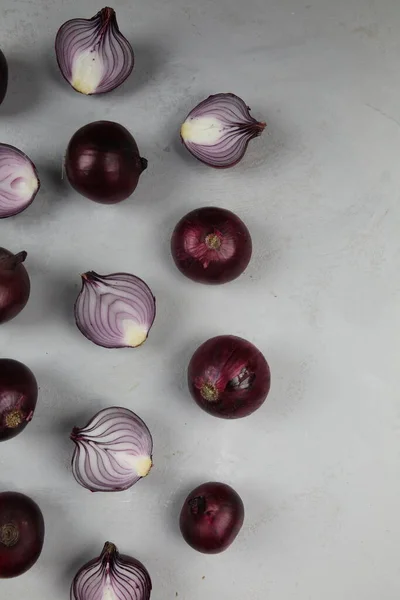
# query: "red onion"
18,396
211,245
211,517
228,377
113,451
19,182
103,162
219,129
115,311
112,576
92,54
3,76
21,533
15,286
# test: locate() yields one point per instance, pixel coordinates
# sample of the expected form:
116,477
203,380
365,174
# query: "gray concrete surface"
318,466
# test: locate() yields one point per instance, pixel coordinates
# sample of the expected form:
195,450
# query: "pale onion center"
25,187
202,130
108,593
134,334
87,72
140,464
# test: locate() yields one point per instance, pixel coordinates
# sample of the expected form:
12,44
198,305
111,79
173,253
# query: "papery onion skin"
3,76
103,163
112,576
211,245
18,397
217,131
19,181
113,451
21,534
228,377
92,54
211,517
102,296
14,284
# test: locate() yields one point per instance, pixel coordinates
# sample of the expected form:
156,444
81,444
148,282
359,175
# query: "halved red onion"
219,129
115,311
113,451
92,54
112,576
19,181
3,76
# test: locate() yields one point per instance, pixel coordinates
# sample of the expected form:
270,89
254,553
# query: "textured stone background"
318,466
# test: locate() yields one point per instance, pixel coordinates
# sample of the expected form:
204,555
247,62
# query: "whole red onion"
15,286
228,377
211,245
3,76
103,162
21,533
18,396
211,517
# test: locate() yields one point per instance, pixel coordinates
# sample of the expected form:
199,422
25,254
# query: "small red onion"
228,377
113,451
92,54
115,311
211,517
18,396
3,76
15,285
219,129
211,245
21,534
103,162
112,576
19,181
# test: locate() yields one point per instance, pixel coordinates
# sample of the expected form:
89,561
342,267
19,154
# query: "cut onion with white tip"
92,54
115,311
19,181
113,451
112,576
219,129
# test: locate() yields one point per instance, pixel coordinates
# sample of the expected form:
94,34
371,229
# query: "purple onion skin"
228,377
14,284
21,534
3,76
211,517
18,397
103,162
211,245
